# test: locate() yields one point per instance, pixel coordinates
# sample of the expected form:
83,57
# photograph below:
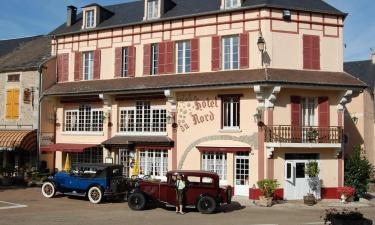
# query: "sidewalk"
325,203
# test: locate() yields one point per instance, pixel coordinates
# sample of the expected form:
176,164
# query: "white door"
296,182
241,181
124,158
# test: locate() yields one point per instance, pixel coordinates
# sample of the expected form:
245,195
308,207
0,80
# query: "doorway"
241,181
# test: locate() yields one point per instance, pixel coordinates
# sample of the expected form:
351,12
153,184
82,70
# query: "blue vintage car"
105,181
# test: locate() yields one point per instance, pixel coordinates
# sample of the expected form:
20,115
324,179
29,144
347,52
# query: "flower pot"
343,198
309,200
265,201
340,221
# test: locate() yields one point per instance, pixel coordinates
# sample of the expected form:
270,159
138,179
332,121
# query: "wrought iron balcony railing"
292,134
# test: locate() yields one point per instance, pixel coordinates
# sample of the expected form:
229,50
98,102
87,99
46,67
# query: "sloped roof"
132,12
363,70
27,56
244,78
7,46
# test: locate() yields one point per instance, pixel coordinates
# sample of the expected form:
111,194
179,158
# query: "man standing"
180,188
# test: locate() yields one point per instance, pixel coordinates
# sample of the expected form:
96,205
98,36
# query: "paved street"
27,206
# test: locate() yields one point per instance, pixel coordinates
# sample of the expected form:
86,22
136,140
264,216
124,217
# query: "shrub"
347,191
358,172
268,187
312,169
344,214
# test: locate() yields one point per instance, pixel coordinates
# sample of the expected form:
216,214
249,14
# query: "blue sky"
20,18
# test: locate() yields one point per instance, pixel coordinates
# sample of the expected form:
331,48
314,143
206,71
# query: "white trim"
302,145
230,130
184,56
72,133
231,51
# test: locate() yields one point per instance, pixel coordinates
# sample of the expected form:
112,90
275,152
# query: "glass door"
124,159
241,182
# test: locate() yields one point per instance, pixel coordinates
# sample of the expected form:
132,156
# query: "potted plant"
345,193
312,171
267,188
312,134
345,217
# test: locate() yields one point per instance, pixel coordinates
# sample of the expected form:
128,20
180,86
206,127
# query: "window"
230,52
143,118
308,111
152,7
154,58
125,62
215,162
12,104
84,119
231,4
27,96
90,19
154,162
231,112
183,56
88,65
92,155
13,78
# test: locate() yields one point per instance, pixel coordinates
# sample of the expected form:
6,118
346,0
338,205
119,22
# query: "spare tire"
206,205
137,201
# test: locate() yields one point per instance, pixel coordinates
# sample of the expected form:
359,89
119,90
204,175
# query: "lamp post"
261,46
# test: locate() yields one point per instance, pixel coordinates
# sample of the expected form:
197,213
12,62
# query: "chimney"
373,57
72,15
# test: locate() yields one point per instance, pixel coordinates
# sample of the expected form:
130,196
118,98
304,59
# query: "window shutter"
147,59
169,57
216,62
9,113
315,54
161,66
323,119
118,62
195,55
77,66
97,60
244,50
307,48
16,105
62,67
131,61
296,122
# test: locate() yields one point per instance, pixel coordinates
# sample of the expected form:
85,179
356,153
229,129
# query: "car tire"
95,195
137,201
206,205
48,189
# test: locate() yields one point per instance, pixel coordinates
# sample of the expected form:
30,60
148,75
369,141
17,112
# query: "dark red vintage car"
202,191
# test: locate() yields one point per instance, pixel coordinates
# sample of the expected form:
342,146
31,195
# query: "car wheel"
48,190
206,205
95,195
137,201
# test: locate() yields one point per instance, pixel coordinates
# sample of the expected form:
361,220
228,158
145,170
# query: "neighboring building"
359,117
20,60
247,89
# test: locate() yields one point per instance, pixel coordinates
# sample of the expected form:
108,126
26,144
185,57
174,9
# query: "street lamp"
261,46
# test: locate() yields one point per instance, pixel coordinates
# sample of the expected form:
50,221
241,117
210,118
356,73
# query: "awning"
66,147
18,139
224,149
140,141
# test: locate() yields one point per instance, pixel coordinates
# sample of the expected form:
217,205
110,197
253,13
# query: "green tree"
358,172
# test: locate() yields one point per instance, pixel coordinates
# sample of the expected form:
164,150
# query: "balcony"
290,136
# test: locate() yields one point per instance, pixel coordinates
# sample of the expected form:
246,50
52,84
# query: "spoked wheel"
48,190
95,195
137,201
206,205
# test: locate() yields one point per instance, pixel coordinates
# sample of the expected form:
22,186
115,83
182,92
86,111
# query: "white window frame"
88,65
183,66
230,4
152,9
154,59
91,155
150,164
125,62
217,163
231,60
77,123
309,107
144,130
231,107
90,18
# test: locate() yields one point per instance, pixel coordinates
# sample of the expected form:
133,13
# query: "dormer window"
229,4
90,19
153,9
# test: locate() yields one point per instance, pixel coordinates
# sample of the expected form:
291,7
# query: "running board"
75,194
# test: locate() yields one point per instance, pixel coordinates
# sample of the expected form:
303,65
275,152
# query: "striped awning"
18,139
